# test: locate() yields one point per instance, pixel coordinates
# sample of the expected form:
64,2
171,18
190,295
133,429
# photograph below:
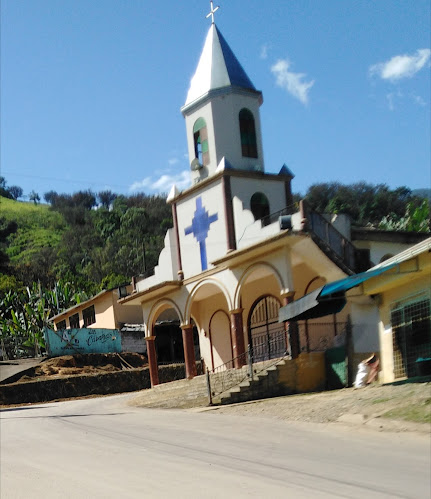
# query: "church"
240,249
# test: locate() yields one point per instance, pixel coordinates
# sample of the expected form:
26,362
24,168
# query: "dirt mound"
89,364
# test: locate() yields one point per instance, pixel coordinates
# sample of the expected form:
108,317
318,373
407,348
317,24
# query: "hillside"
38,228
77,241
97,241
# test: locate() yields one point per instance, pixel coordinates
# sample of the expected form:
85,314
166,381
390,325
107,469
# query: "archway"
209,304
220,339
266,335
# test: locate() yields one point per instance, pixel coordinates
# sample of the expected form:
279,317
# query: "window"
248,134
386,257
89,316
200,137
411,335
61,325
74,321
259,205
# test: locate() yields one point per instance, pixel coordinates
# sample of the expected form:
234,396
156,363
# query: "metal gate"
264,330
411,334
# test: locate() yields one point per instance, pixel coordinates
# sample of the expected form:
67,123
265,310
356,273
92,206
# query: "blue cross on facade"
200,227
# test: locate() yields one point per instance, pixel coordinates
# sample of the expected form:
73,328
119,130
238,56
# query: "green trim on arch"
199,123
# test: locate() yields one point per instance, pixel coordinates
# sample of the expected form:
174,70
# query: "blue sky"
91,90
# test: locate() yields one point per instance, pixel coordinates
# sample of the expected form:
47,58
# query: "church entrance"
266,335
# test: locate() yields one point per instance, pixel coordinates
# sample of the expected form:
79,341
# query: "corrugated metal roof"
217,68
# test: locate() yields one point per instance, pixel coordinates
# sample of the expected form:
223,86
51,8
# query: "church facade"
239,248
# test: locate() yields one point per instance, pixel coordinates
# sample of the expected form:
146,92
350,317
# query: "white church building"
239,248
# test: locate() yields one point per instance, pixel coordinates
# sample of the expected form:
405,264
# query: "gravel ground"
348,405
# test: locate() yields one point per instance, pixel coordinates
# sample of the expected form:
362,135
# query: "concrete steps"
184,393
188,393
264,384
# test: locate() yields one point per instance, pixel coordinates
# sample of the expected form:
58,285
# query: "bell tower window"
248,134
200,138
259,205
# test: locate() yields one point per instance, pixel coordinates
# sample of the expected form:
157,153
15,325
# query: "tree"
106,198
5,231
3,189
50,197
34,196
415,219
15,191
364,203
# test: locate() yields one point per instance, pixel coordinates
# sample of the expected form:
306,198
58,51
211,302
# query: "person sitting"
367,371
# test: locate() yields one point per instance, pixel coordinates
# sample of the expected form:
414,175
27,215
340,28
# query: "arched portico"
220,337
164,336
259,271
259,294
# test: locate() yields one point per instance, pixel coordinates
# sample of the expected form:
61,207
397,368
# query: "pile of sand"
90,364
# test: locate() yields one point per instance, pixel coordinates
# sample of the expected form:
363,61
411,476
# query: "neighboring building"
102,311
403,294
380,245
240,249
391,309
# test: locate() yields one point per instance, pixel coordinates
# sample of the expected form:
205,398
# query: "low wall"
304,374
46,390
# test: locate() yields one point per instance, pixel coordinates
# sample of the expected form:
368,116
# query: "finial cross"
212,12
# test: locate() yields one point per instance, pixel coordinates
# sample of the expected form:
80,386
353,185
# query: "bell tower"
222,112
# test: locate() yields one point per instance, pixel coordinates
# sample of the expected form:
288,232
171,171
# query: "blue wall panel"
85,340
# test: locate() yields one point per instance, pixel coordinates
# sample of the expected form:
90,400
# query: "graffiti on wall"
85,340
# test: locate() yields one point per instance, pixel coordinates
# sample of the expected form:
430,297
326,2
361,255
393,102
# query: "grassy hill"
38,227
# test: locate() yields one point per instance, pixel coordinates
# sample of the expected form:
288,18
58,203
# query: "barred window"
89,316
74,321
411,329
61,325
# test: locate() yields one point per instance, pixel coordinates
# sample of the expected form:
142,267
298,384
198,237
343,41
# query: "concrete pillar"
152,360
291,328
237,330
189,351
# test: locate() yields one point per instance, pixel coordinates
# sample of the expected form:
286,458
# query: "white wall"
365,321
378,249
216,242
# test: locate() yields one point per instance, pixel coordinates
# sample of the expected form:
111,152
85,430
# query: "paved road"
101,448
10,367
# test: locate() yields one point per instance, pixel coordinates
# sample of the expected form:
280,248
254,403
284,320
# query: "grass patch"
38,228
418,413
380,401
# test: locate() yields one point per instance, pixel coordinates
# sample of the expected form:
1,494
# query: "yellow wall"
418,283
109,314
304,374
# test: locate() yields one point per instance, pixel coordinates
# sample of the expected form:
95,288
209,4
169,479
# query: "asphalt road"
102,448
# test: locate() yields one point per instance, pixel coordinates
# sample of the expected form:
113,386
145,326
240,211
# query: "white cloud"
264,51
163,183
292,82
173,161
401,66
418,99
391,99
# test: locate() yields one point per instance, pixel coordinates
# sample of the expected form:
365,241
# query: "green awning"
328,299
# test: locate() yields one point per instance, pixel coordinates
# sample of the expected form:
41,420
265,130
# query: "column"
237,330
189,351
291,328
152,360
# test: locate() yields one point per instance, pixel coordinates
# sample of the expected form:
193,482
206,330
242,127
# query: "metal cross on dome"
212,12
200,227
